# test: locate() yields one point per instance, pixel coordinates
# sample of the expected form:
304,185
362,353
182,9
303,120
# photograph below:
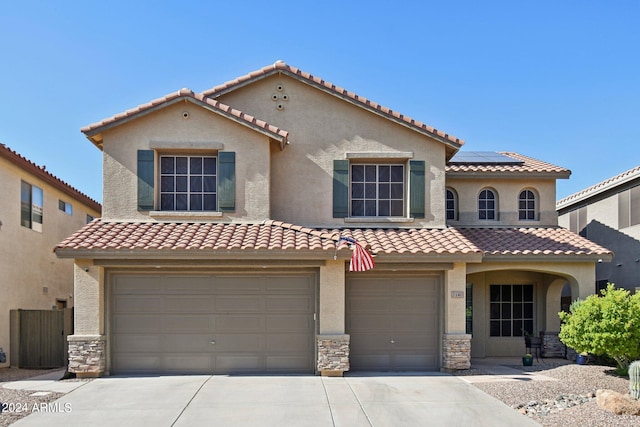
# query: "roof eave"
512,175
594,258
95,134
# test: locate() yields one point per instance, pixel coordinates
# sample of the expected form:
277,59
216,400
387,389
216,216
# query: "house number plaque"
457,294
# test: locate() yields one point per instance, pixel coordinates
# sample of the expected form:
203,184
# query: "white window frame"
486,210
33,195
528,211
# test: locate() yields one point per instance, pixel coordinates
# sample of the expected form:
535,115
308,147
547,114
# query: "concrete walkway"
374,399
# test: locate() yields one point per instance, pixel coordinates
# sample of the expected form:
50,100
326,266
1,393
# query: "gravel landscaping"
567,402
18,404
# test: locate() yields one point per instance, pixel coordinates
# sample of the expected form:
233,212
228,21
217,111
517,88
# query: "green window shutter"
227,181
340,188
146,173
416,188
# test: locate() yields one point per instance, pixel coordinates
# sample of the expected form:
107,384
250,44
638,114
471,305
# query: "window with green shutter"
378,189
191,183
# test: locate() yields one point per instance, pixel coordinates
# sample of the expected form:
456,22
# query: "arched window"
451,205
487,204
527,205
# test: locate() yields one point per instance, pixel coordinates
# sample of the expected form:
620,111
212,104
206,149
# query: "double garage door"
393,322
212,324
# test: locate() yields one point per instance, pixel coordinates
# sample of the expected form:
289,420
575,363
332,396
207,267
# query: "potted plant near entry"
527,360
582,358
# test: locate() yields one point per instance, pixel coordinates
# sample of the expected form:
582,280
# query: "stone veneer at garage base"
87,354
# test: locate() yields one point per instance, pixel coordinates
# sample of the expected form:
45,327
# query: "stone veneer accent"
333,354
456,352
87,355
552,346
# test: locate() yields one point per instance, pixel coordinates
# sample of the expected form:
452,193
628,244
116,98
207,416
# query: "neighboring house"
222,210
609,213
37,211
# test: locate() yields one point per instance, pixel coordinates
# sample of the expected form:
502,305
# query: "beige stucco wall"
332,297
168,126
547,278
324,128
507,192
454,307
27,262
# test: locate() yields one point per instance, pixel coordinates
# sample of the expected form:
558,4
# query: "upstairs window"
487,204
377,190
451,204
31,206
188,183
65,207
527,205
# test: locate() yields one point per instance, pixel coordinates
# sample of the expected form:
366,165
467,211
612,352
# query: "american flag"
361,259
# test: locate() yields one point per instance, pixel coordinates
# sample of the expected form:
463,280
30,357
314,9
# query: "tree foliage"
604,325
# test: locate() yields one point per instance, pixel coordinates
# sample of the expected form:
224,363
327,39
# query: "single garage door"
393,322
220,324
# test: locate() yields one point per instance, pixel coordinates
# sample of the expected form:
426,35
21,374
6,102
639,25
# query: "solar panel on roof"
483,158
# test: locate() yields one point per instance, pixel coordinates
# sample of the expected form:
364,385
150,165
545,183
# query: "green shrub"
604,325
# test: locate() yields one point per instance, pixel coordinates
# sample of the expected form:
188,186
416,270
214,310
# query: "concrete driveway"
431,399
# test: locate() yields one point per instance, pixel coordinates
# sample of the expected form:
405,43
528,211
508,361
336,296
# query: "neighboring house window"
511,310
487,205
377,190
90,218
188,183
451,204
629,207
31,206
527,205
65,207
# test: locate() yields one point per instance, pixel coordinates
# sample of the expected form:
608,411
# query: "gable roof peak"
280,66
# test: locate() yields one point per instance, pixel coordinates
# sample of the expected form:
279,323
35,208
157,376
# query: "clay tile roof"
99,236
527,165
531,241
275,236
281,67
186,94
42,173
600,187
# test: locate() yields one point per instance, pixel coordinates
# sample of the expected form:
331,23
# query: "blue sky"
554,80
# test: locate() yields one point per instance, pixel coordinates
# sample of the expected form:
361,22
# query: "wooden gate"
39,338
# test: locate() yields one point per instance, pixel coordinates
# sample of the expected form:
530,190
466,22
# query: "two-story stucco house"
37,211
217,251
608,213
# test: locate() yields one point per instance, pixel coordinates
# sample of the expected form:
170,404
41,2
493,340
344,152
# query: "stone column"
333,354
456,343
552,346
456,352
87,355
332,342
87,346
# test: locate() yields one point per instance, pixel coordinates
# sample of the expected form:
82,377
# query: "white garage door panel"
393,322
212,324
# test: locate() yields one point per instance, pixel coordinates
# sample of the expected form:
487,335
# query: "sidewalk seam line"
326,395
190,400
359,403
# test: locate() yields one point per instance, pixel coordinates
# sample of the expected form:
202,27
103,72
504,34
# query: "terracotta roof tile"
600,187
531,241
217,106
529,165
281,67
276,236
